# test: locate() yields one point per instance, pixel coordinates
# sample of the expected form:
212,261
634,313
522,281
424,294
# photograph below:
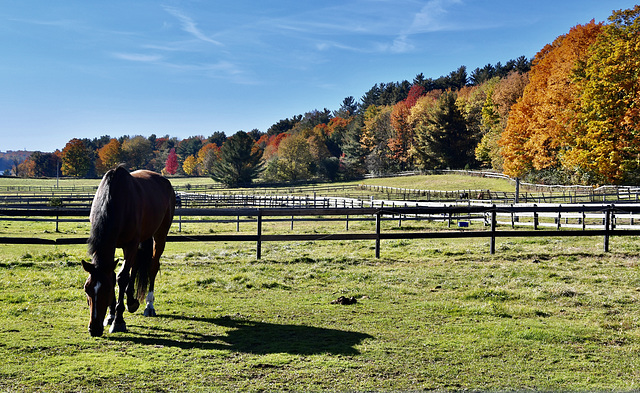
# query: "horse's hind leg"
158,248
138,273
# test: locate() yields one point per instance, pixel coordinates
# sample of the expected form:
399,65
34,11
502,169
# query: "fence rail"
606,221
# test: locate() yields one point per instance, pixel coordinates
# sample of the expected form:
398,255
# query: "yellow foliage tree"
190,166
606,138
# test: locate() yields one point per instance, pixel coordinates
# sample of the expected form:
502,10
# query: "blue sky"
79,68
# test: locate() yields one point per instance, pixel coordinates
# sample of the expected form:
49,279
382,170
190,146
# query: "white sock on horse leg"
150,299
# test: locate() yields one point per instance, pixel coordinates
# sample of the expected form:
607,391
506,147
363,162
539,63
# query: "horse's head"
100,293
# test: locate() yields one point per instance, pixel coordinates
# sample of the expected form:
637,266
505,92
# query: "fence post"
513,219
607,227
492,244
259,242
378,219
535,218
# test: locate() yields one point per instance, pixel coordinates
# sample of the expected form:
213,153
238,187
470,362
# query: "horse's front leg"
112,308
123,279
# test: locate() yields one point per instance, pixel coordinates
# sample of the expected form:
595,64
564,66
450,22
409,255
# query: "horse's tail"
143,262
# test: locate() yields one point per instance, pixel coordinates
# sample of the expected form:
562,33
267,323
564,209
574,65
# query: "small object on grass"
345,300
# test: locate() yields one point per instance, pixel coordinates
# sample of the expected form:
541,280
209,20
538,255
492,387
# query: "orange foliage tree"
538,125
400,144
207,154
109,156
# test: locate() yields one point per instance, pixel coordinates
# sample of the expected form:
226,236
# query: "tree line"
569,115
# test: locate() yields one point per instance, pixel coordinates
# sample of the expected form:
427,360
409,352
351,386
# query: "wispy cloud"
190,26
432,17
138,57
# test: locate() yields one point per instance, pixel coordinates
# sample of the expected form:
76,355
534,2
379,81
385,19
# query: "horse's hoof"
132,305
149,312
109,321
118,328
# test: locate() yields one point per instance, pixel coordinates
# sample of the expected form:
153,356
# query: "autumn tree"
400,144
109,156
605,142
271,145
536,132
206,156
190,166
26,168
240,161
76,159
415,93
171,165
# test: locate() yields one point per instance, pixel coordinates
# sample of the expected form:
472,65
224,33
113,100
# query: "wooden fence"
585,220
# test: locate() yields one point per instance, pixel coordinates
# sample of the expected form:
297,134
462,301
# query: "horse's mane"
104,210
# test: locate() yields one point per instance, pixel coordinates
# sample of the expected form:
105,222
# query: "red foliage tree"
171,165
415,92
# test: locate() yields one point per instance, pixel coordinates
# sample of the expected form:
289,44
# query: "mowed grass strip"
543,314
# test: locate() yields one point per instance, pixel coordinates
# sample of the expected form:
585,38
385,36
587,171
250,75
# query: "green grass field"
544,314
553,315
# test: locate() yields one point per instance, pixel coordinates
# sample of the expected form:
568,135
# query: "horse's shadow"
249,336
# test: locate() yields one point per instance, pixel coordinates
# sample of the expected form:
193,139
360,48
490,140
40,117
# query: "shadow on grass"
254,337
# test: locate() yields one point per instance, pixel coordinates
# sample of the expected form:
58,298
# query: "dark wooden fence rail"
489,214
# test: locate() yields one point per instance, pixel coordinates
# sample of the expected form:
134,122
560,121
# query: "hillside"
7,159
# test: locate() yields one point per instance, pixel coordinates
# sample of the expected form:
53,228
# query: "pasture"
448,182
549,314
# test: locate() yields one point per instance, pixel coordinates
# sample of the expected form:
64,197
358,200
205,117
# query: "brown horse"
132,211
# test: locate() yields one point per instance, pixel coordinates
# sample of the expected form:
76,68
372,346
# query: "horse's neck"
104,260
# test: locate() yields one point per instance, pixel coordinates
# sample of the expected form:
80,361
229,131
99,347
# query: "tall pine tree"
240,161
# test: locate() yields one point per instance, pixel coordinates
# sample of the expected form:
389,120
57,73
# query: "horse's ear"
88,267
